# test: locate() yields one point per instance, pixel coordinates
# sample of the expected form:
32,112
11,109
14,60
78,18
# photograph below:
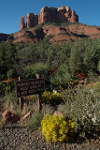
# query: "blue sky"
11,11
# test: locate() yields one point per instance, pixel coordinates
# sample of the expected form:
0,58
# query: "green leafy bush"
98,66
47,109
8,59
6,87
62,77
37,68
35,121
29,72
83,105
56,128
10,73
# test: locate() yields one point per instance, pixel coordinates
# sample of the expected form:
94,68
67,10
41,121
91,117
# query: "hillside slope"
59,32
3,37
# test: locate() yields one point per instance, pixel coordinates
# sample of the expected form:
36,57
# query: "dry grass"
47,109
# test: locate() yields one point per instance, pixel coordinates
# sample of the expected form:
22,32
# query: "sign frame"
30,87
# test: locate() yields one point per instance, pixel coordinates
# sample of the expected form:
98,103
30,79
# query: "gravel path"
21,138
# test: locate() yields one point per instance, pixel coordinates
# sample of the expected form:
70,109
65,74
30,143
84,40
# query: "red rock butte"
49,14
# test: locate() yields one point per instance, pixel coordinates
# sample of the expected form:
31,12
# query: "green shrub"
29,72
62,77
6,87
10,73
47,109
98,66
35,121
56,128
41,68
83,105
37,68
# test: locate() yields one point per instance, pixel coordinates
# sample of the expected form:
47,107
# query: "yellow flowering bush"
51,97
57,129
96,85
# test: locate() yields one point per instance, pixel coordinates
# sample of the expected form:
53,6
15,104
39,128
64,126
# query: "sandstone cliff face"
22,23
74,17
25,36
32,20
59,34
49,14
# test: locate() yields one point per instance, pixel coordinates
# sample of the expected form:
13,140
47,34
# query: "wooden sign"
30,87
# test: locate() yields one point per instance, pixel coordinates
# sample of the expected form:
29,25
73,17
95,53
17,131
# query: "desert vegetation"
59,64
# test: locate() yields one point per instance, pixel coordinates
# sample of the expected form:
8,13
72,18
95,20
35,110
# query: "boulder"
7,116
27,116
58,113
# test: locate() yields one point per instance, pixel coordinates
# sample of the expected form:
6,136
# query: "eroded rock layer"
49,14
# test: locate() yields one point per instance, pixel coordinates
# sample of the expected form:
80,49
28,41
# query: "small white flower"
94,119
54,91
90,115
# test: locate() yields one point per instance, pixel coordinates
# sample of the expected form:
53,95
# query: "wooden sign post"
39,96
21,103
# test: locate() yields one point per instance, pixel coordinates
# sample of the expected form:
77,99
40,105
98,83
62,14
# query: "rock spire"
49,14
